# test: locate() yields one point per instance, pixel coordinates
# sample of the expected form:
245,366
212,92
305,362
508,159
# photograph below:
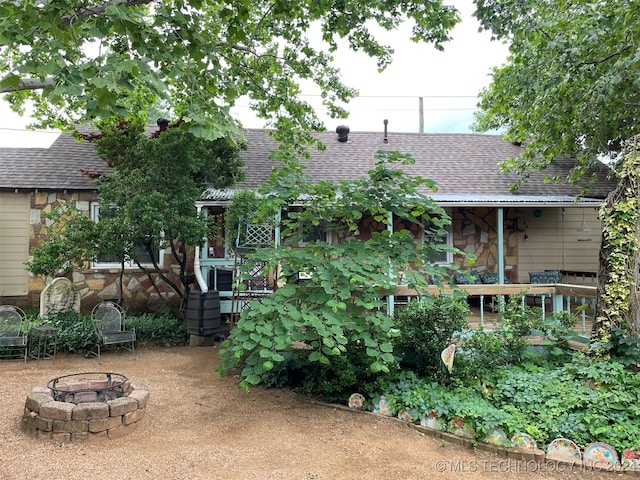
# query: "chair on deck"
13,330
548,276
109,323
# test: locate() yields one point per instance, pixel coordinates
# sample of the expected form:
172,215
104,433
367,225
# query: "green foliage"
163,330
243,205
332,382
479,357
68,242
340,306
146,202
617,307
418,396
75,332
585,400
557,331
517,322
567,89
426,328
198,57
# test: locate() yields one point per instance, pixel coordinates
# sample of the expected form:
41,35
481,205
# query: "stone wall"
95,285
474,231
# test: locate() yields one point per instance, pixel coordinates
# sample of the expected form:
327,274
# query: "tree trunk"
617,300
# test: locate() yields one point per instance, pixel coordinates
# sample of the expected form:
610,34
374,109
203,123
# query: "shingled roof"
58,167
462,165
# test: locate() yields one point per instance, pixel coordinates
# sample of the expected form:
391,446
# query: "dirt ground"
201,426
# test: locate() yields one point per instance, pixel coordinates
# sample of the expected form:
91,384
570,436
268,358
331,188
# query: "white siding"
14,243
554,242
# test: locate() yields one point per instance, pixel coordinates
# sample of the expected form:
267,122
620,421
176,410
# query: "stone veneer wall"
474,231
67,422
94,285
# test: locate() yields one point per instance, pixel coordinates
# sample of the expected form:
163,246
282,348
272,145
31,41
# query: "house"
540,226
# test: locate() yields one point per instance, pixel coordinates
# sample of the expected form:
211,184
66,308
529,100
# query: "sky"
448,83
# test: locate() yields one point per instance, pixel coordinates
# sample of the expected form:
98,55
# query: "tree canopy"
81,60
147,202
571,81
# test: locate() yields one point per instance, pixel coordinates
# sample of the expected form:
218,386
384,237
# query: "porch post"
390,298
277,229
500,252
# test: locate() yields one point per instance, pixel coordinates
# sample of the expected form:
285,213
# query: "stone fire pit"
85,406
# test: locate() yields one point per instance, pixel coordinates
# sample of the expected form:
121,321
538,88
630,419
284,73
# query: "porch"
578,299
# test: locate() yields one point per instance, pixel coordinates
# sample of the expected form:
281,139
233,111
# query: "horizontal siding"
554,242
14,243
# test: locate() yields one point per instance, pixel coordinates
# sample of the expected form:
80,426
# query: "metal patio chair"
13,330
109,323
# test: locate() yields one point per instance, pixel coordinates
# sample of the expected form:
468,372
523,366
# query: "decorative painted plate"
523,440
404,416
356,401
382,407
600,455
430,420
631,458
497,437
459,427
565,449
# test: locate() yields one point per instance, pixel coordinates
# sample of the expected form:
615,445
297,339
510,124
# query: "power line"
10,129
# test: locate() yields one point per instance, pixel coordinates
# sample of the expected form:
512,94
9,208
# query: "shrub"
75,332
426,328
164,330
584,400
333,382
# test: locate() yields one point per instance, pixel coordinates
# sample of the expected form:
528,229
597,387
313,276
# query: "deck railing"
576,299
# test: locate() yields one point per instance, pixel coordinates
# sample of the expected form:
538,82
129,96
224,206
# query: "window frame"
128,264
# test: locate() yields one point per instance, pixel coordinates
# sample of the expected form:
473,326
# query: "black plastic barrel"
203,313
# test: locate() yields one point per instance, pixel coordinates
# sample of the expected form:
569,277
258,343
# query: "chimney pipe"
385,139
343,133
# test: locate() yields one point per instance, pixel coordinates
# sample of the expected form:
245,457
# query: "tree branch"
83,12
29,84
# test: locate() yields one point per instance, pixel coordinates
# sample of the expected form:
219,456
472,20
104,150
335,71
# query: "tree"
147,202
340,306
570,89
81,60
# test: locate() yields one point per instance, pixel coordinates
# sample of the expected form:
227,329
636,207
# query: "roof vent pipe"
343,133
385,139
163,123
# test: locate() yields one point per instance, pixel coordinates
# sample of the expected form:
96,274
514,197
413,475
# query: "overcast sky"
447,81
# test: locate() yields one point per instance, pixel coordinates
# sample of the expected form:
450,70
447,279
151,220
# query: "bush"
75,332
164,330
426,328
479,358
333,382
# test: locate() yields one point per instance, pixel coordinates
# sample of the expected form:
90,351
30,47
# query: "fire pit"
85,406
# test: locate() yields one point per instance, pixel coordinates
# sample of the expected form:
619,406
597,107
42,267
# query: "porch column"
500,253
390,298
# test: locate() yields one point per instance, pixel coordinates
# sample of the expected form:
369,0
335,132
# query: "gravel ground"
201,426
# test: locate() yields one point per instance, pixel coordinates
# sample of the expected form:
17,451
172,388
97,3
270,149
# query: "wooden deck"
568,296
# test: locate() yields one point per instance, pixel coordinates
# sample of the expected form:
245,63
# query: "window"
109,261
432,232
314,233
